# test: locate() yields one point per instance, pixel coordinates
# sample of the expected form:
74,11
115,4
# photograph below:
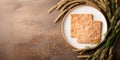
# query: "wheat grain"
62,4
83,56
54,7
60,16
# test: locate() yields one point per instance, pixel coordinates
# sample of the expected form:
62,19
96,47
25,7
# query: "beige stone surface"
27,32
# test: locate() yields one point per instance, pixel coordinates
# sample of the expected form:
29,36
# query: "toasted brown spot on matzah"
89,33
74,22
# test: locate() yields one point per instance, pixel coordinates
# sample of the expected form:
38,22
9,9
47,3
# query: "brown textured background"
27,32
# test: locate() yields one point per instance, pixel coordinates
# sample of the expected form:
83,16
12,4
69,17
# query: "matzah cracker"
89,33
74,22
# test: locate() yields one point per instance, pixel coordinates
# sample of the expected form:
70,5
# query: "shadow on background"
117,48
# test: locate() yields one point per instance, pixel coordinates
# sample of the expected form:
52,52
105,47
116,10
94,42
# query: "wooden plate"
82,9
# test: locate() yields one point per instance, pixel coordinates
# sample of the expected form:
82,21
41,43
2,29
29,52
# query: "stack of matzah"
85,29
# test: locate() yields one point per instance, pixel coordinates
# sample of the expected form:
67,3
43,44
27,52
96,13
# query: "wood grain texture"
27,32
